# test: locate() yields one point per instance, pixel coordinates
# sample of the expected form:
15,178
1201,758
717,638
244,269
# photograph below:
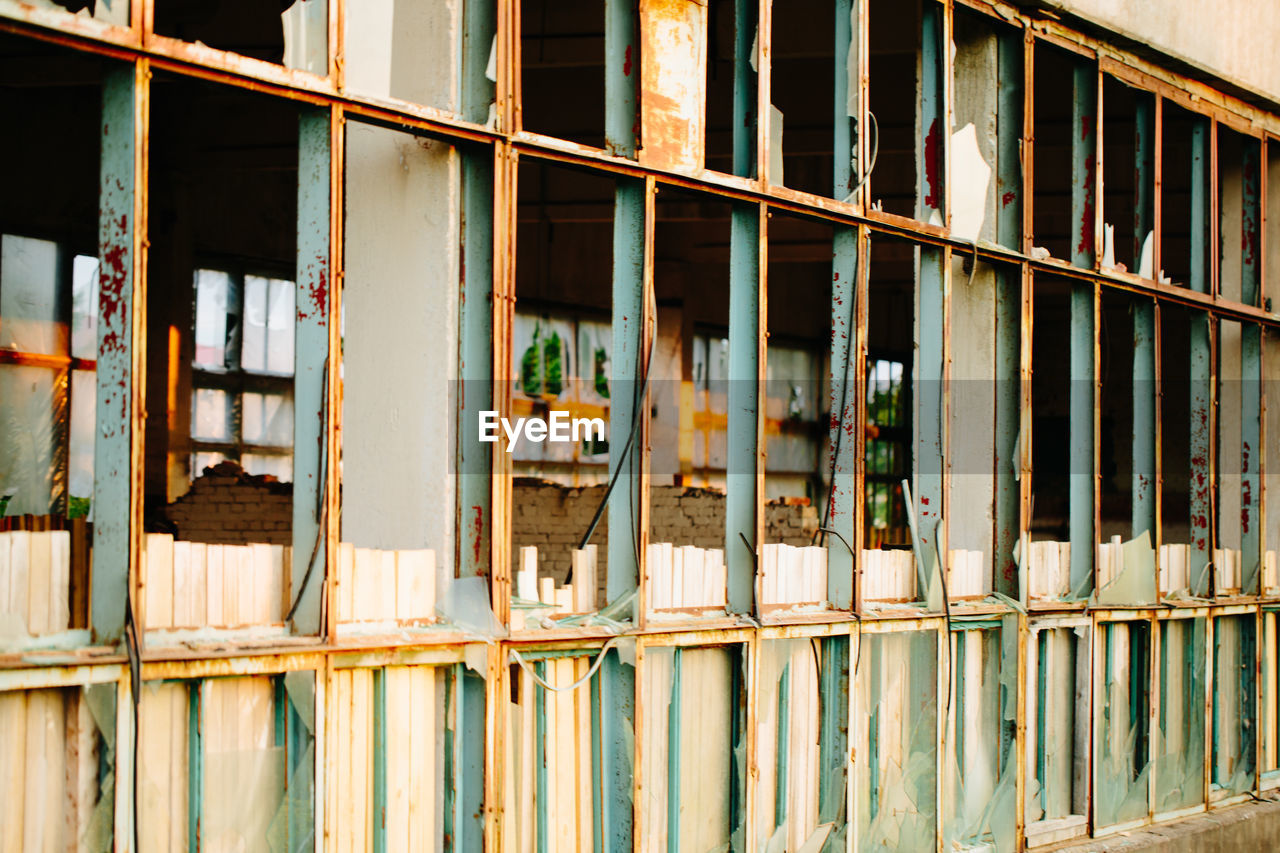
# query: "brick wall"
554,517
226,506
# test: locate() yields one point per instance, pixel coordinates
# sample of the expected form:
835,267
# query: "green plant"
601,380
78,507
531,366
554,379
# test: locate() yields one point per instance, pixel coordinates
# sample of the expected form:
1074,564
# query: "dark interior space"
1053,135
562,82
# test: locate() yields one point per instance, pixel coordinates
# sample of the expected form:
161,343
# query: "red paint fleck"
626,63
1086,218
1008,198
477,528
931,165
924,500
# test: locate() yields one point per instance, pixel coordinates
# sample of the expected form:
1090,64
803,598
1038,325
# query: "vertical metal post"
674,755
745,310
467,811
379,760
478,32
833,742
931,122
617,725
629,358
118,438
1080,454
782,746
1009,99
845,366
1201,367
1007,387
621,77
475,365
1083,163
312,370
1143,508
1251,449
928,425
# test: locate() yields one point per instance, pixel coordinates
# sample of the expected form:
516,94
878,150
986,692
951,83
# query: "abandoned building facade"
938,500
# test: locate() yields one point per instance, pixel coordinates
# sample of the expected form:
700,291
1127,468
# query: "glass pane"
1123,758
57,757
114,12
164,710
84,307
1180,736
80,457
253,353
267,419
212,290
280,314
897,729
29,310
32,412
259,763
211,414
280,467
1234,673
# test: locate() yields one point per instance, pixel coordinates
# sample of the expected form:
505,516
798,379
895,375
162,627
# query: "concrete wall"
1234,40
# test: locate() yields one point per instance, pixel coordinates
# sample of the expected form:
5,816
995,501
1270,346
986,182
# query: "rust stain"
626,63
931,165
477,530
1008,198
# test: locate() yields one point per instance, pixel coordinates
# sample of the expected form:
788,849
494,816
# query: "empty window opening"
293,33
1123,758
562,67
1128,158
803,92
730,124
1232,766
1057,746
1179,738
1064,136
1184,197
1239,216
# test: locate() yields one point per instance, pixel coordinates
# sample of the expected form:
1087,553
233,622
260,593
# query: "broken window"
1232,765
697,411
1239,216
985,404
406,754
692,748
564,92
1128,157
1237,555
908,125
979,788
49,311
564,348
801,745
985,147
400,301
1125,570
1184,197
439,54
228,763
1185,401
1122,760
293,33
1065,136
58,760
804,327
730,123
1062,544
113,12
242,346
1270,584
553,762
1179,734
803,85
896,723
1057,734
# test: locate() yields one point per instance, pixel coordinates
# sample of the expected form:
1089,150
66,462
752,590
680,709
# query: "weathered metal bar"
1251,455
1084,136
745,313
744,88
782,748
1009,99
833,742
312,371
1143,507
929,425
931,121
475,364
1007,388
468,808
541,783
621,77
846,364
118,436
1081,450
379,780
629,361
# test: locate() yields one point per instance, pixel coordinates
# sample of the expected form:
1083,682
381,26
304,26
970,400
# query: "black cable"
857,617
322,505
